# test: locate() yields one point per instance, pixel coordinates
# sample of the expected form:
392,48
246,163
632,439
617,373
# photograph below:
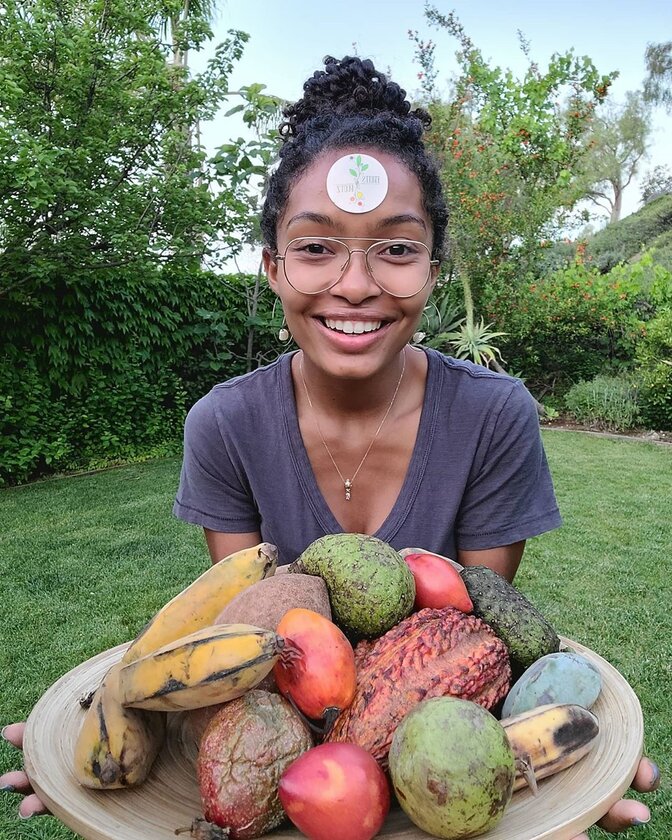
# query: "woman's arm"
503,560
220,545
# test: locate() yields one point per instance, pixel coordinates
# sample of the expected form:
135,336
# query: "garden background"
119,228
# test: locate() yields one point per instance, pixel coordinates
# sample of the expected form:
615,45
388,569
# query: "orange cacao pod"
429,654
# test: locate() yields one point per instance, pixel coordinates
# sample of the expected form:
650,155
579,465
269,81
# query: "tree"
658,82
97,173
657,182
618,143
109,212
509,150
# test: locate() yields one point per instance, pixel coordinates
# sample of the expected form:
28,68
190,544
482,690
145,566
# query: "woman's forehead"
313,197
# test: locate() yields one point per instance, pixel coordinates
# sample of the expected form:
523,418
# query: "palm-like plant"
474,341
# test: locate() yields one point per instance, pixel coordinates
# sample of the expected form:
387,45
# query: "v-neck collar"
416,468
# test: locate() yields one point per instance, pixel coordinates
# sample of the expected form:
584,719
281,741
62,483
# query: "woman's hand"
16,781
626,813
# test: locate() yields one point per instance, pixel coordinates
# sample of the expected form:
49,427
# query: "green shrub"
622,240
572,324
607,401
655,397
104,369
654,354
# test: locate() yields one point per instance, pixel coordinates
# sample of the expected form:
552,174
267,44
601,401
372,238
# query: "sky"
289,39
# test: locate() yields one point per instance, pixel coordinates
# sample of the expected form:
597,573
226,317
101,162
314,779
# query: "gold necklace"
348,482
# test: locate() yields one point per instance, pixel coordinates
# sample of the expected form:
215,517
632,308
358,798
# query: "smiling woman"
359,431
433,451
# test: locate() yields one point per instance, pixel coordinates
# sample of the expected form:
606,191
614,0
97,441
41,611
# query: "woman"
359,431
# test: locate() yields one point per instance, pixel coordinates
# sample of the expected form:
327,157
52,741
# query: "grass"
85,561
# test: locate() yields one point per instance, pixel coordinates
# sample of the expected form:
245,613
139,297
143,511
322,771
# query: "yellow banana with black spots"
116,747
548,739
201,602
213,665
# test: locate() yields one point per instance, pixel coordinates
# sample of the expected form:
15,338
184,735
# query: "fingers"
15,781
623,815
13,733
32,806
647,777
627,813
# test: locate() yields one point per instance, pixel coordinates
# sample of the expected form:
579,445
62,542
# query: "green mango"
452,768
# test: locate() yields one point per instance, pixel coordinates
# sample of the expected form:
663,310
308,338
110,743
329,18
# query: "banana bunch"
548,739
116,746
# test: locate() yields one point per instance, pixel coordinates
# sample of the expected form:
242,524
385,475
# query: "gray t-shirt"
478,476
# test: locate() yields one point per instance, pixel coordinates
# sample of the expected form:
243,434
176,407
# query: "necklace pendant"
348,486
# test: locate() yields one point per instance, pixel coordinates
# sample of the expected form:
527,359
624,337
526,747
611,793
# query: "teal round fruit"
452,768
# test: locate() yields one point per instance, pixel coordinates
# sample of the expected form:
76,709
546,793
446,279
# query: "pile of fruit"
360,672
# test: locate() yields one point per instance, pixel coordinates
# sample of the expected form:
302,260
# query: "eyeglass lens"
400,267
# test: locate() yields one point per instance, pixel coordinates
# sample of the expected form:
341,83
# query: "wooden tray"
566,803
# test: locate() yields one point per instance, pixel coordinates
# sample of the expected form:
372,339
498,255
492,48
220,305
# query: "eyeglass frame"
365,251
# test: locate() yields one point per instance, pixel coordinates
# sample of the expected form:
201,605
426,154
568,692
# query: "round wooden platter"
565,805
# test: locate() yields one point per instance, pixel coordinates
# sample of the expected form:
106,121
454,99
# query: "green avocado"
370,586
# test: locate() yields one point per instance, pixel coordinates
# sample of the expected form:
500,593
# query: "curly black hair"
351,103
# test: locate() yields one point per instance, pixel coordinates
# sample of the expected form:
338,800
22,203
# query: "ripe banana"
200,603
212,665
116,747
548,739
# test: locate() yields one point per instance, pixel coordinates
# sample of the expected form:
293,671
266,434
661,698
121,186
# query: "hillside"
623,241
627,239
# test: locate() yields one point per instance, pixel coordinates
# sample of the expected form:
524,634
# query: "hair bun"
348,86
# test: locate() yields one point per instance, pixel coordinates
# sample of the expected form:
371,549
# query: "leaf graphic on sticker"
366,166
358,160
353,172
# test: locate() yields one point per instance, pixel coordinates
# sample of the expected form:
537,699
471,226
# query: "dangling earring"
420,335
283,333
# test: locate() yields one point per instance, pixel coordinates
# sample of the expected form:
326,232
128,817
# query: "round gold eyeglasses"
401,267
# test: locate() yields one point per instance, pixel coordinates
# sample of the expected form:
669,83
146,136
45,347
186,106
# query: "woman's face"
354,329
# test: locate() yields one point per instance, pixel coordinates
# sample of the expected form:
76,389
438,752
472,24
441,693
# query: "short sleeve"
213,490
509,494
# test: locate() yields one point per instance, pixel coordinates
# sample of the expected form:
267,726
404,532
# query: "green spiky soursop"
370,586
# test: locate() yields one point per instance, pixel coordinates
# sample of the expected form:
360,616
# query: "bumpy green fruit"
452,768
370,586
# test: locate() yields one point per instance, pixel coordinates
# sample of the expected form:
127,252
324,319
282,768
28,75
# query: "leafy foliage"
647,230
609,402
508,148
628,238
654,354
109,210
658,83
656,182
568,325
618,142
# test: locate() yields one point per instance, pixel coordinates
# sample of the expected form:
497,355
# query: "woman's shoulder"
243,392
468,374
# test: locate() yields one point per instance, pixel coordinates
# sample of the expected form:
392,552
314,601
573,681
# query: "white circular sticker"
357,183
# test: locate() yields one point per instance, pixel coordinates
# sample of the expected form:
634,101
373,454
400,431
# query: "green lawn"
85,561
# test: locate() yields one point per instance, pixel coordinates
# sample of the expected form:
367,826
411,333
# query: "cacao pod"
432,653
